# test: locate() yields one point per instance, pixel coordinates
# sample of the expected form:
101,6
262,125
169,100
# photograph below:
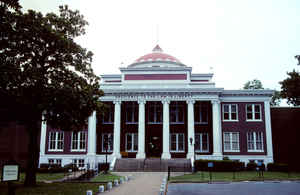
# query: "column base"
190,155
140,155
117,155
166,155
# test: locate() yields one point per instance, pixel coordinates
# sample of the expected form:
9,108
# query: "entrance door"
154,146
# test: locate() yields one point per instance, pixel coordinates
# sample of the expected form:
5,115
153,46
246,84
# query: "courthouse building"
157,107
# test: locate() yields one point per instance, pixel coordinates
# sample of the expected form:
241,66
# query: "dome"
157,56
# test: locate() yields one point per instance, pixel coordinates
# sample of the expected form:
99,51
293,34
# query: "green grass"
52,189
238,176
44,176
105,178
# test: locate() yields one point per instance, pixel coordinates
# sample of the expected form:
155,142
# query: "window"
230,112
201,142
78,162
201,113
131,113
255,141
78,141
107,142
155,115
177,142
176,113
231,142
253,112
54,161
56,141
131,142
108,117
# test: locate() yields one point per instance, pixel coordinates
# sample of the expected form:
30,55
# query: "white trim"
201,142
255,141
132,136
56,141
253,113
177,142
78,141
109,146
231,141
230,112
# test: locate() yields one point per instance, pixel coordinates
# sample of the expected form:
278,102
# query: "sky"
237,40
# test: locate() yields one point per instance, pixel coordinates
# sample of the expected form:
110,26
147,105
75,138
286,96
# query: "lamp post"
107,143
191,141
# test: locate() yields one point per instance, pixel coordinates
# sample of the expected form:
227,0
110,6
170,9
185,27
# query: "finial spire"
157,49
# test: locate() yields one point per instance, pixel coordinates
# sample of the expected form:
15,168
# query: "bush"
219,165
251,166
70,166
278,167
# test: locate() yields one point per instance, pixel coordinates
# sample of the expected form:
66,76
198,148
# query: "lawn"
105,178
52,189
44,176
237,176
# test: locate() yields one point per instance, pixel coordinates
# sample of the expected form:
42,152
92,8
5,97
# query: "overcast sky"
240,40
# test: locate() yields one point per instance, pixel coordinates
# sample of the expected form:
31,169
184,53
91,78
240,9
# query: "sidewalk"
145,183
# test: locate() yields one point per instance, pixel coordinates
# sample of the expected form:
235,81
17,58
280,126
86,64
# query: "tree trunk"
33,154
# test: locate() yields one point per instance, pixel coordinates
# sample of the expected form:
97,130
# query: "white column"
92,134
117,129
43,137
191,129
141,134
268,131
217,129
166,130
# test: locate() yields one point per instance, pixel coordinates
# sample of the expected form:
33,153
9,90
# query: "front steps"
152,165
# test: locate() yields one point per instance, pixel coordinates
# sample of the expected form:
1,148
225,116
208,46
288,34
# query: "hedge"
219,165
278,167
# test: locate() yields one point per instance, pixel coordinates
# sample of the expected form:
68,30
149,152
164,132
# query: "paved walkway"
141,183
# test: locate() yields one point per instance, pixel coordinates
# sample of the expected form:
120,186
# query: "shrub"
278,167
251,166
219,165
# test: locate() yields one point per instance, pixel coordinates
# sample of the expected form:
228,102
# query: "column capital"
117,101
215,101
190,101
141,101
165,101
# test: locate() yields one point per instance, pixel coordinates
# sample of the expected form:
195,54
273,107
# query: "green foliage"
219,165
290,88
278,167
254,84
43,70
276,98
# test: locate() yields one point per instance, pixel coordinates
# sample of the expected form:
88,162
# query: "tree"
43,71
290,88
254,84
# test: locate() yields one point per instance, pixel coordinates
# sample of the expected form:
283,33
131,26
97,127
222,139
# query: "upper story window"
108,117
56,141
201,142
253,112
231,141
107,142
230,112
132,111
78,141
177,142
201,113
176,113
255,141
155,115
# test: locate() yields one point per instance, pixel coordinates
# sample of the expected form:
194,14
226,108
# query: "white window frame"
201,142
253,112
56,141
110,114
230,112
78,162
132,135
255,141
80,134
110,147
200,108
177,142
157,120
177,107
231,142
52,161
133,108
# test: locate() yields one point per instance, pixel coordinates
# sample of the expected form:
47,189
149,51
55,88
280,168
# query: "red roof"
157,55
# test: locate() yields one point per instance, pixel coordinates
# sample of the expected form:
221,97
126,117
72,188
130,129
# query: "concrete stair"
152,165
